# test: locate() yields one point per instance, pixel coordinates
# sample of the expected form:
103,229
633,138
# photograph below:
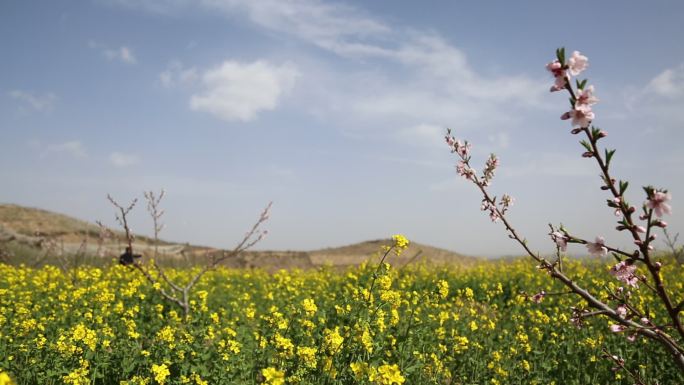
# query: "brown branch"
621,365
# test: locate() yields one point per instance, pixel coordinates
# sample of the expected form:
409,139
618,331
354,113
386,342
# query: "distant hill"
29,233
359,252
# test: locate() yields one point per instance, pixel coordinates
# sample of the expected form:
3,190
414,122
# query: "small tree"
170,290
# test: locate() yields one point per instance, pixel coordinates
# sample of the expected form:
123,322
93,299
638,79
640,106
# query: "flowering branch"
581,115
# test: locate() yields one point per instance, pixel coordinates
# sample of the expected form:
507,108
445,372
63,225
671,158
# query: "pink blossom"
632,337
615,328
617,206
494,216
598,247
577,63
625,272
559,74
490,166
464,170
560,239
658,202
463,149
621,311
581,116
586,97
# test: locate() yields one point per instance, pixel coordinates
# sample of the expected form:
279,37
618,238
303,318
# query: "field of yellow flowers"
372,324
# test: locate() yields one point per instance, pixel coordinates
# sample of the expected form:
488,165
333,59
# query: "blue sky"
336,112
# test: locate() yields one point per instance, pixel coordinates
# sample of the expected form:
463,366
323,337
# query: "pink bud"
645,321
662,224
574,131
640,229
566,116
617,328
632,337
588,154
602,134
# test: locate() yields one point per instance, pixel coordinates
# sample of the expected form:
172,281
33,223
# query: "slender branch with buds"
620,365
176,293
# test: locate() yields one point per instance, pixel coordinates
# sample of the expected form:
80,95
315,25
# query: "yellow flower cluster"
371,324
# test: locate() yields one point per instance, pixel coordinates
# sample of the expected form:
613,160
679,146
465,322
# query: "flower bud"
652,237
605,188
617,328
602,134
640,229
658,265
632,209
588,154
660,223
576,131
621,228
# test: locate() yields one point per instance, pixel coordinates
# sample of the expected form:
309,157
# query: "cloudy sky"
334,110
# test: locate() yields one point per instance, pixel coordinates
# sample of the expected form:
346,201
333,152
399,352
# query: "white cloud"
120,159
659,102
123,54
176,74
72,148
38,102
500,140
439,84
549,164
428,135
336,27
669,83
237,91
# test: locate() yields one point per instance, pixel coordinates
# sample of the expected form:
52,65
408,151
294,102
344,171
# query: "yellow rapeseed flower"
161,372
388,375
5,379
273,376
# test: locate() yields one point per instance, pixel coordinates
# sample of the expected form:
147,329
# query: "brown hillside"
29,227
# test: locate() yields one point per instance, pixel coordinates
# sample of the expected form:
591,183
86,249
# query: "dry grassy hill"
30,233
359,252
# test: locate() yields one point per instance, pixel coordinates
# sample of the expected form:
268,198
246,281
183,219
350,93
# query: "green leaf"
623,186
560,55
587,145
609,156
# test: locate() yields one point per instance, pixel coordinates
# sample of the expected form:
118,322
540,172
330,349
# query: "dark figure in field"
128,258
